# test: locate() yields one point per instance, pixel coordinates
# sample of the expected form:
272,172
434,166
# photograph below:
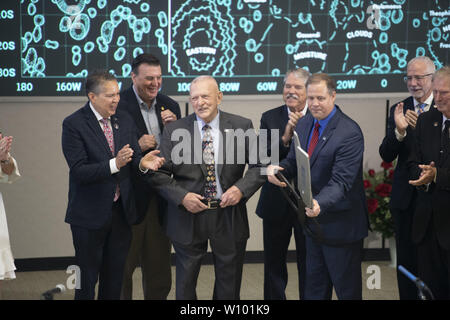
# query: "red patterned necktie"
110,138
314,139
108,134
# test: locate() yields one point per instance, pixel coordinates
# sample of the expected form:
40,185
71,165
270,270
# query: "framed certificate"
303,173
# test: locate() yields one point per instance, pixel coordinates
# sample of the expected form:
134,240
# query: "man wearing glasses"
397,144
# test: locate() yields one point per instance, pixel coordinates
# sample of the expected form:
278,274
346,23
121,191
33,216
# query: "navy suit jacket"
91,184
336,177
129,103
402,192
272,204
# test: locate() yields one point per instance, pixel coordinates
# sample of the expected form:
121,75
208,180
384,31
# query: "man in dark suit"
397,145
206,196
430,171
279,220
101,149
150,248
335,145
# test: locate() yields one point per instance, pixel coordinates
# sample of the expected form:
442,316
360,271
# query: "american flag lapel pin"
116,123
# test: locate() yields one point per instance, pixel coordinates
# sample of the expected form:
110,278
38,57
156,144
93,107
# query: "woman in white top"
8,173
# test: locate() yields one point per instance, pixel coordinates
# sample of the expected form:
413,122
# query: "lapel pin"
435,124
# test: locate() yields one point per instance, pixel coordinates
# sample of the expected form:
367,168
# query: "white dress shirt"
150,117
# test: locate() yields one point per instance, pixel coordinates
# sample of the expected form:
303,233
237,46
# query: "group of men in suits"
205,197
110,148
126,202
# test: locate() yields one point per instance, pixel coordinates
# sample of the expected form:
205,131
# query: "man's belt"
212,204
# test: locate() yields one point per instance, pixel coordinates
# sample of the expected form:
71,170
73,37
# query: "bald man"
207,197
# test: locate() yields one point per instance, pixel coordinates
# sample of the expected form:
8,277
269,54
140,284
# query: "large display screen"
47,47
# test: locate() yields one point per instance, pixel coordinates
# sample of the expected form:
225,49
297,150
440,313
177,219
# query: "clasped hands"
193,201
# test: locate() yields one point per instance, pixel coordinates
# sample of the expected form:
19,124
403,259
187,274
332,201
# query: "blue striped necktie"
421,108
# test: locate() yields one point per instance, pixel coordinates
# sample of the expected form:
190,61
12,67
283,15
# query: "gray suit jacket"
174,180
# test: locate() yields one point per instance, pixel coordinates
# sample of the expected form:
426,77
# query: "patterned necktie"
421,108
210,191
110,138
108,134
314,139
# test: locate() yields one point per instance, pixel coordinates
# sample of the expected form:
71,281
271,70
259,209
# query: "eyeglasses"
417,78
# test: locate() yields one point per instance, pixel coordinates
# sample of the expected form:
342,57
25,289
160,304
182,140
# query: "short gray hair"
205,78
299,73
443,72
424,59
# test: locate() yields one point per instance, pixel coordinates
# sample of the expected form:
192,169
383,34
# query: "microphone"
419,283
48,295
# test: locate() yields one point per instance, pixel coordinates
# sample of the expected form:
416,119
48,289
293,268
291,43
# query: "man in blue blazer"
150,247
101,149
335,145
279,220
397,145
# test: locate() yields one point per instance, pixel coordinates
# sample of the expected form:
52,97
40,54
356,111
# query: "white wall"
36,204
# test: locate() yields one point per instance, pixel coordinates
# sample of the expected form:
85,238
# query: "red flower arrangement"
378,187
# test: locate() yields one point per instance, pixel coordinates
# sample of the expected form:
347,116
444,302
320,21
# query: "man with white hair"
430,171
397,144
